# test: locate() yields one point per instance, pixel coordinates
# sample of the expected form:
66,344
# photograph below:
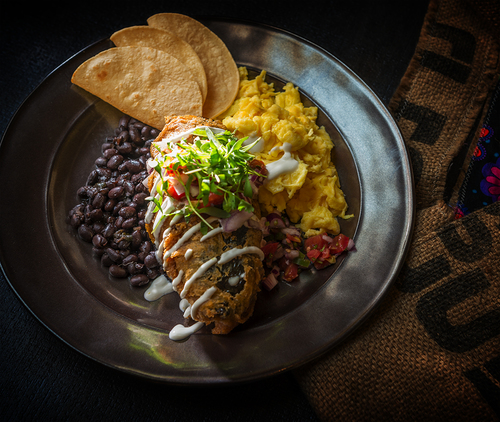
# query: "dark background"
41,378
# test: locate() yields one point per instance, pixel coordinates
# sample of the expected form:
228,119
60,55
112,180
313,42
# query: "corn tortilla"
221,70
147,36
142,82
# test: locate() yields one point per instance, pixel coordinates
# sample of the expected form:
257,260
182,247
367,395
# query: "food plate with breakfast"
271,202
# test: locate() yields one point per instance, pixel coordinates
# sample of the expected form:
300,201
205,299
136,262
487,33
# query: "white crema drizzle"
286,164
179,332
161,285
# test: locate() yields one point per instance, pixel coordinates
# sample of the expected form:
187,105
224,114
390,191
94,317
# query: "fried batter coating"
175,125
233,301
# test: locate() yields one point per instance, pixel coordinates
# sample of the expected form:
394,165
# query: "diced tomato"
339,244
269,250
320,258
214,199
315,242
289,268
172,172
291,273
313,254
173,192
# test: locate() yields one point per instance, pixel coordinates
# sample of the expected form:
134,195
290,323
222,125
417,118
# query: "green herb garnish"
218,164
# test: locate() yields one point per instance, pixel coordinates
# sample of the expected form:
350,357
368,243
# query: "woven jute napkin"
431,350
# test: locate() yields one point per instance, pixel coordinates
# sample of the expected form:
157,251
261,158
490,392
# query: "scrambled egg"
310,195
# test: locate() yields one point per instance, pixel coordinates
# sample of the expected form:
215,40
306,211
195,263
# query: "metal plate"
49,149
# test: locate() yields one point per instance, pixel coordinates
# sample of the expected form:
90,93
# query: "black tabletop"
41,377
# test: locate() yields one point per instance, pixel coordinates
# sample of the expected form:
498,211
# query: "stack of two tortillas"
173,66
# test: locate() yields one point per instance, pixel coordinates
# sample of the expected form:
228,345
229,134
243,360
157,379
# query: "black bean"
110,184
98,227
122,168
101,162
115,161
135,166
85,232
140,198
124,148
103,173
152,273
99,200
135,135
109,153
77,209
114,255
136,239
123,245
151,261
124,121
106,145
144,151
96,215
130,259
75,220
110,205
119,222
129,187
127,212
129,223
139,280
118,207
116,193
123,136
109,230
146,247
135,268
146,132
141,188
106,260
117,271
104,190
99,241
136,124
85,192
138,177
122,178
92,178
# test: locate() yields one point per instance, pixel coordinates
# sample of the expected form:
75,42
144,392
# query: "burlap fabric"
431,351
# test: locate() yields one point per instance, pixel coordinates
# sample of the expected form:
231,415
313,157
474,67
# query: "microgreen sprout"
216,165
